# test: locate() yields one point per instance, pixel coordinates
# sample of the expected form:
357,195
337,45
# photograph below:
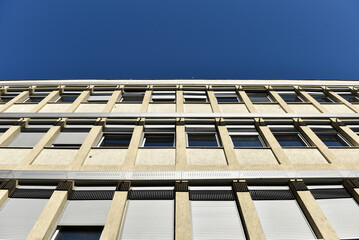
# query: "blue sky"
147,39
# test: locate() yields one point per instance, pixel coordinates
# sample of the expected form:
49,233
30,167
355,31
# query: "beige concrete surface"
337,108
13,155
21,107
233,108
102,156
303,108
305,156
162,108
90,107
4,195
209,156
197,108
126,107
55,157
255,156
55,107
268,108
154,156
183,216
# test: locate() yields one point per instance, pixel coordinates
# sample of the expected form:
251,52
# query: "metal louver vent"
330,193
271,195
32,193
211,195
91,195
151,195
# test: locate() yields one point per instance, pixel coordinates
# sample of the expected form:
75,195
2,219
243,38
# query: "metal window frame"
215,134
289,93
157,133
260,92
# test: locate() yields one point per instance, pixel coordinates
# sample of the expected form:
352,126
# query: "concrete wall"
305,156
233,108
101,156
60,107
255,156
208,156
155,156
268,108
158,108
21,108
89,107
123,107
197,108
303,108
55,157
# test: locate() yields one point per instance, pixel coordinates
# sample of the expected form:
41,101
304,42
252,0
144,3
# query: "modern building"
179,159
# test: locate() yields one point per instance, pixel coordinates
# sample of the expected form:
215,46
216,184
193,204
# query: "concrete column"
228,148
272,142
183,213
179,100
111,103
10,135
116,214
276,97
46,223
248,212
247,101
45,141
310,99
352,186
19,98
135,142
146,101
4,194
339,98
213,101
52,96
315,141
83,96
181,154
85,148
314,214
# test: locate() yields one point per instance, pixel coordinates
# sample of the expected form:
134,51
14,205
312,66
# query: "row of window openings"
189,96
241,137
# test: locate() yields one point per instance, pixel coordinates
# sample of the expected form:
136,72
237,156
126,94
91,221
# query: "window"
341,210
68,97
116,136
290,96
354,128
288,136
30,136
348,96
72,136
279,213
133,95
36,97
259,96
245,136
226,96
214,214
8,96
78,232
149,214
163,96
85,213
202,136
99,96
320,97
159,136
195,96
330,136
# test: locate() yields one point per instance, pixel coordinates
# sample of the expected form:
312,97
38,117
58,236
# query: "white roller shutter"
343,214
85,213
18,216
216,220
149,219
27,139
69,138
283,219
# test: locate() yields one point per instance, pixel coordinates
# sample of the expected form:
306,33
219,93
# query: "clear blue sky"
284,39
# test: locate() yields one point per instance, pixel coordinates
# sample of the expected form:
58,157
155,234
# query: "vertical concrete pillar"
276,97
112,101
83,96
19,98
228,148
213,101
352,186
6,188
182,212
46,223
135,142
247,101
10,135
146,100
179,100
247,210
346,132
116,214
314,214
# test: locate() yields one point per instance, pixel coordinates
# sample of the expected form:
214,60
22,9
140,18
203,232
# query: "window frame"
289,130
282,94
270,100
248,130
153,129
214,131
194,96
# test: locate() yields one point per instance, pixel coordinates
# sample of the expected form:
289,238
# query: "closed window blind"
27,139
18,216
283,219
149,219
216,220
85,213
343,214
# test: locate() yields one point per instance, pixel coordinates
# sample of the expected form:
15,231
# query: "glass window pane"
80,233
115,140
227,99
246,141
258,97
158,140
291,98
332,140
289,140
322,99
27,139
202,140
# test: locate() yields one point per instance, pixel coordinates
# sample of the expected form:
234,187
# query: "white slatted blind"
99,98
149,219
283,219
343,214
85,213
18,216
216,220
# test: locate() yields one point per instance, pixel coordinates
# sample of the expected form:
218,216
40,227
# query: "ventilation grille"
32,193
211,195
92,195
151,195
330,193
271,195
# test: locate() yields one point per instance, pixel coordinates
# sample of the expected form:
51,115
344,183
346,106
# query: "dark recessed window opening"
115,140
202,140
158,140
79,233
247,141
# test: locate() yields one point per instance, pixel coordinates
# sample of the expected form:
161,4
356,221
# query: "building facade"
183,159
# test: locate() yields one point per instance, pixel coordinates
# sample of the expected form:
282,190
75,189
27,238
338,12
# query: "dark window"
349,97
79,233
247,141
291,97
320,97
158,140
133,95
290,140
227,99
115,140
333,140
259,97
202,140
65,98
